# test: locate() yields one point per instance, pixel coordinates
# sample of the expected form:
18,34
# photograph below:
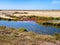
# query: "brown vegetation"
12,36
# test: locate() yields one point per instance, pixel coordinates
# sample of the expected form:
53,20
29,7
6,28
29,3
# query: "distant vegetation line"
39,20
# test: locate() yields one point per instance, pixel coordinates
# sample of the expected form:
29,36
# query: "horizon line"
31,10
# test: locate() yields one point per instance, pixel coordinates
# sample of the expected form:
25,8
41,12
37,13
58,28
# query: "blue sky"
30,4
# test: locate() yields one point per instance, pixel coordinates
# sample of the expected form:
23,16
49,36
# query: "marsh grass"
57,36
20,36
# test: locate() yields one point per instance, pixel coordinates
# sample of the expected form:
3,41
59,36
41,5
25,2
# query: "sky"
30,4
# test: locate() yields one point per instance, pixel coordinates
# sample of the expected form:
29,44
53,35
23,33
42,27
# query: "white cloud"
55,1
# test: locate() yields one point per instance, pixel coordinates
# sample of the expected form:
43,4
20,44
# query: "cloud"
55,1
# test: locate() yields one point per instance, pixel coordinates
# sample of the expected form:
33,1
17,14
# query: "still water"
31,26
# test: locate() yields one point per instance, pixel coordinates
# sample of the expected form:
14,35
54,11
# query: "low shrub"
22,29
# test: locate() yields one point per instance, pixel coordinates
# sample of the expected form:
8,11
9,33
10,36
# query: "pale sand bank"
30,13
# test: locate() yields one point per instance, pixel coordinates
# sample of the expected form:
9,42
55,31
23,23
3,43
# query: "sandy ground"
30,13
